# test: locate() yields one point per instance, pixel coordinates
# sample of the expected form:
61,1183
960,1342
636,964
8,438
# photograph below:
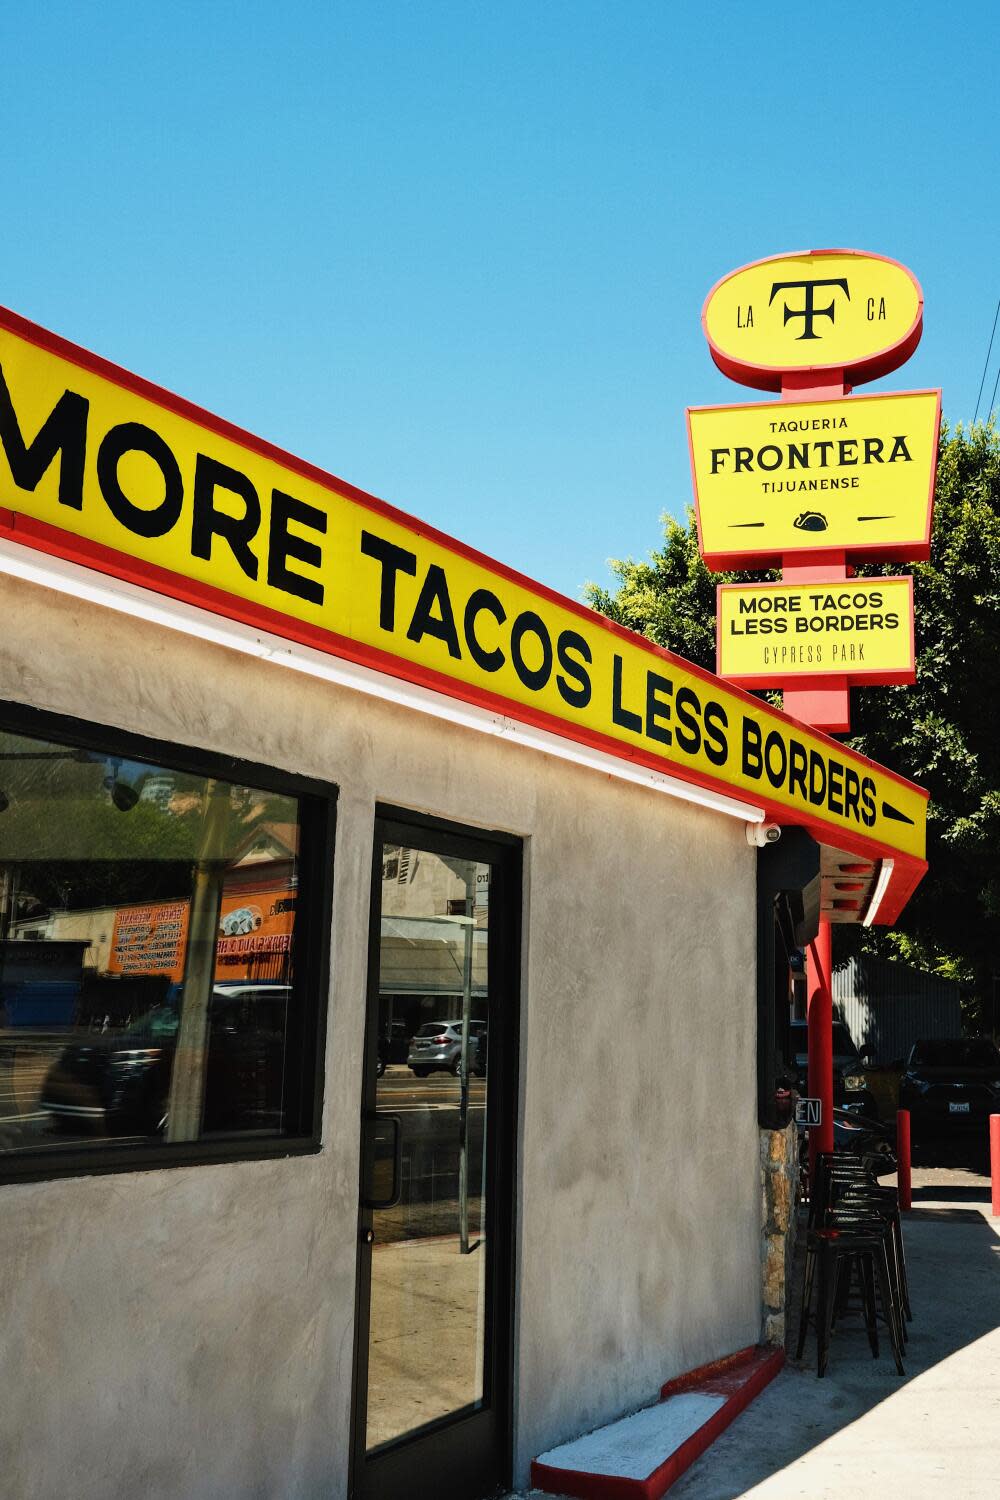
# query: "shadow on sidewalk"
934,1424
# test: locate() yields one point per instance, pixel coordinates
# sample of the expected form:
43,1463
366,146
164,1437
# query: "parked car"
951,1086
850,1087
437,1047
120,1083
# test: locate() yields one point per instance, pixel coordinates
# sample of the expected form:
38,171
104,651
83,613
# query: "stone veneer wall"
779,1170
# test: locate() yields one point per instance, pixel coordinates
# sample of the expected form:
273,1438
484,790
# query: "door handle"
381,1131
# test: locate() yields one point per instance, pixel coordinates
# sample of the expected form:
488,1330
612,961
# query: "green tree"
943,732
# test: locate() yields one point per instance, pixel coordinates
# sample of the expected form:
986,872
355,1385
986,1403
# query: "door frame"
457,1443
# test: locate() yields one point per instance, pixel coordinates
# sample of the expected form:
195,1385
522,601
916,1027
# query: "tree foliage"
943,732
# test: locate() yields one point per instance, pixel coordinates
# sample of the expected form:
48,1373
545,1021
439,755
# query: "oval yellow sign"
815,311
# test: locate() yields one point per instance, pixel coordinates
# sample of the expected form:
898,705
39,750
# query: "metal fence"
887,1006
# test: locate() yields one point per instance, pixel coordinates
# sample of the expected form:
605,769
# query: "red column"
903,1179
821,1037
995,1163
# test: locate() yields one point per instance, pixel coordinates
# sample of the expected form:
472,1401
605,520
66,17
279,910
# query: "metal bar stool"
833,1253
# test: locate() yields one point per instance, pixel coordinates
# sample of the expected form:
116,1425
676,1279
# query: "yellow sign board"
861,629
104,469
820,310
854,475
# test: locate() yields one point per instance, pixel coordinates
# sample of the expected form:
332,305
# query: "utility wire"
993,398
987,364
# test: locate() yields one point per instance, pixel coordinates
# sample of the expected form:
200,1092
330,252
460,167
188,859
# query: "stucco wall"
188,1333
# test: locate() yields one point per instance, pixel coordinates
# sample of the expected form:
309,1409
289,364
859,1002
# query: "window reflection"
428,1333
147,950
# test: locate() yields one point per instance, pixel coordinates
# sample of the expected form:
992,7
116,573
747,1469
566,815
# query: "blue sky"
456,252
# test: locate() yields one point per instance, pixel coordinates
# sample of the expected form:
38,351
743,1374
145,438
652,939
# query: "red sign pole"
823,703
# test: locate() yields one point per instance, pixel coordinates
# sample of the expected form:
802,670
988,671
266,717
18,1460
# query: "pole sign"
839,311
818,481
861,629
106,470
855,475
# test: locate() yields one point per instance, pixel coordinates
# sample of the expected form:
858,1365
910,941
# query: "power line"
993,398
987,365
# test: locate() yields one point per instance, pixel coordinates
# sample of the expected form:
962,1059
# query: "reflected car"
951,1087
850,1086
120,1084
437,1047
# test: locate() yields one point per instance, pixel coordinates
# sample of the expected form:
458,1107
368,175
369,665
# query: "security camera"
759,835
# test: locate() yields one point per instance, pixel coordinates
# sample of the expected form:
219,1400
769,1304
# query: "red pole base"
995,1162
905,1188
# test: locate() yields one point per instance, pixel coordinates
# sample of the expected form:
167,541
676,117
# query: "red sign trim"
874,678
919,550
768,377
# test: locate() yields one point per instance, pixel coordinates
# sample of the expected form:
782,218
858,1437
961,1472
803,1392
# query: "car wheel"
455,1066
379,1068
420,1072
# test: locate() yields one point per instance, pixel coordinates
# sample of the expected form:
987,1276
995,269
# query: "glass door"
432,1381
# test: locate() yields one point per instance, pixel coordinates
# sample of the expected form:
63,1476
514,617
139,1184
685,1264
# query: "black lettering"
480,601
835,788
900,450
283,544
657,708
852,791
440,627
798,762
847,449
534,678
809,312
753,764
868,810
394,560
64,431
134,437
716,744
622,716
206,521
687,710
775,773
718,458
873,451
817,778
798,455
742,459
579,696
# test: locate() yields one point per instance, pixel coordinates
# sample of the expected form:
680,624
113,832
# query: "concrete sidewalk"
862,1431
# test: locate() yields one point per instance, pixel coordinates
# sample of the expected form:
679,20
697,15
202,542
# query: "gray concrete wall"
188,1333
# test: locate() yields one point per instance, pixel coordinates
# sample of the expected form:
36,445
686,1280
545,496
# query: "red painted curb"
739,1377
701,1374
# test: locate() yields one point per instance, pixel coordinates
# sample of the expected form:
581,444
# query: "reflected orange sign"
253,925
150,939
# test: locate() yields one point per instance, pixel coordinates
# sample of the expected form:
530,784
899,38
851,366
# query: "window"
161,951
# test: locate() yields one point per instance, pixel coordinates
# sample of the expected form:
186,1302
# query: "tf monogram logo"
809,312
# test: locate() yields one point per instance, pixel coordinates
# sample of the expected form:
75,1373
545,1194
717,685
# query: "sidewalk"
862,1431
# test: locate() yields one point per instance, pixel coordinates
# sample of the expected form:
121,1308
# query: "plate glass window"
429,1272
149,946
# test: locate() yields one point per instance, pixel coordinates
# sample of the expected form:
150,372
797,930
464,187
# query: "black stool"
836,1251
